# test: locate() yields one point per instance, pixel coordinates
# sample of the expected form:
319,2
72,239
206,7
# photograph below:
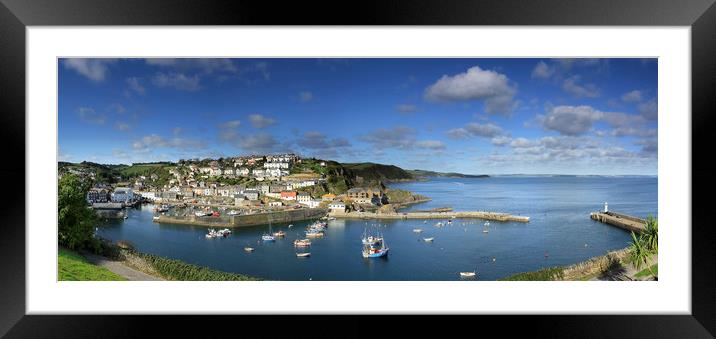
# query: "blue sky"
493,116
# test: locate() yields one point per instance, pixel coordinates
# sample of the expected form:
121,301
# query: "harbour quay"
495,216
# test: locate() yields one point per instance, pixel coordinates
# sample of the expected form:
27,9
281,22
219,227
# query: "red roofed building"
288,195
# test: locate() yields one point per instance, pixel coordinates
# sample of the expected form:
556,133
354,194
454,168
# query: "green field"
73,267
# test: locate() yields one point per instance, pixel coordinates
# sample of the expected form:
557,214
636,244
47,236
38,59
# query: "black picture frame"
16,15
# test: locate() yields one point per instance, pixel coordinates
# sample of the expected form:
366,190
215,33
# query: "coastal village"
268,183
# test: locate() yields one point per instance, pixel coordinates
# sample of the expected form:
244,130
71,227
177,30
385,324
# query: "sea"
559,232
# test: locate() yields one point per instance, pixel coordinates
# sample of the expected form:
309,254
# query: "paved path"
119,268
627,272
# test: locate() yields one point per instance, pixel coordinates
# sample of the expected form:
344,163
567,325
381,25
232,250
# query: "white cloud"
649,109
154,141
435,145
400,137
474,129
90,115
571,85
135,84
318,140
632,96
260,121
570,120
178,81
228,130
475,84
542,71
93,69
202,65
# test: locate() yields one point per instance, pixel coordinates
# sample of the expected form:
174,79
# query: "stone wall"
593,265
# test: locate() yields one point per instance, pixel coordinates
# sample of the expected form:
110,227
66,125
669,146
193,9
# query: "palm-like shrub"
645,245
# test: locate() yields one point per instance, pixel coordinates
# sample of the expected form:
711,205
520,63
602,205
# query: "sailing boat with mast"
269,236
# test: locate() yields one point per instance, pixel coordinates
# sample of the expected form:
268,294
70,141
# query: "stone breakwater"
255,219
433,215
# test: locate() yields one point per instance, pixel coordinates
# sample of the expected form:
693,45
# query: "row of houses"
104,195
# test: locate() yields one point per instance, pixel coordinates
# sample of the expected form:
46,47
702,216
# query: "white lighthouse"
606,207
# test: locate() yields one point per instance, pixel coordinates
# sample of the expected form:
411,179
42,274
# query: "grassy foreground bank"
172,269
73,267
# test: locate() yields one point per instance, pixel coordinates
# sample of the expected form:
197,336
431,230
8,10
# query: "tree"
75,220
645,245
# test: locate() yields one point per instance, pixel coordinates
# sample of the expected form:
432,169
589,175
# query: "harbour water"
558,207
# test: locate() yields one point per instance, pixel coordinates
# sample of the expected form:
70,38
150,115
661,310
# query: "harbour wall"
432,215
248,219
622,221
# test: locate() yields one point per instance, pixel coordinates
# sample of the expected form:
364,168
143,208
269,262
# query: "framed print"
466,161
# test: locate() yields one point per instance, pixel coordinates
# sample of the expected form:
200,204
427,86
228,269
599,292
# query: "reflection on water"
558,206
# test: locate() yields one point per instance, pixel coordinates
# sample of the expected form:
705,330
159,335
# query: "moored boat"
417,230
248,249
279,234
374,246
428,239
303,255
302,243
467,274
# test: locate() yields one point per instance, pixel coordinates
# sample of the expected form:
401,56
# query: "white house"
122,194
337,206
303,198
276,165
243,171
313,203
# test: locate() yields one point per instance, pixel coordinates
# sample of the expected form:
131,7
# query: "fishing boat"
428,239
417,230
303,255
467,274
374,249
302,243
248,249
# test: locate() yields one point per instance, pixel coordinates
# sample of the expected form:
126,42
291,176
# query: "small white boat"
467,274
428,239
248,249
291,225
302,243
303,255
486,231
155,218
417,230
